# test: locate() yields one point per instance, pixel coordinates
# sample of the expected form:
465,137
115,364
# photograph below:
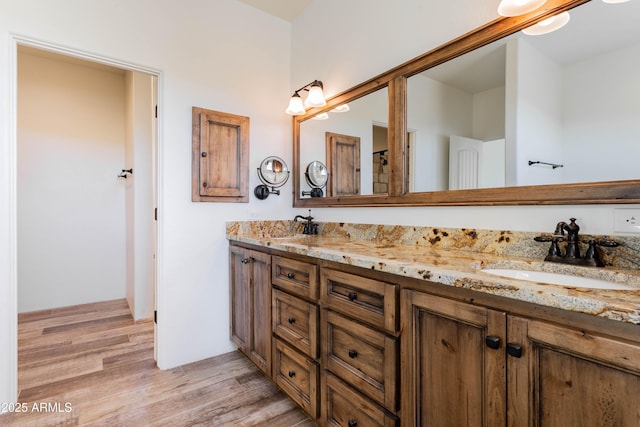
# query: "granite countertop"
453,258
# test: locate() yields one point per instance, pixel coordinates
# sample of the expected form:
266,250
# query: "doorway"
85,221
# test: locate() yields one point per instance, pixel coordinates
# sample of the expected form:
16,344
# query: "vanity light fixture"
518,7
615,1
315,98
548,25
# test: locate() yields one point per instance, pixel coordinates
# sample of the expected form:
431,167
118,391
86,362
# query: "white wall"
355,50
71,228
215,55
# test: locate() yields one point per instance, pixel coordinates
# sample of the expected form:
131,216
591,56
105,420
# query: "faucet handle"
607,243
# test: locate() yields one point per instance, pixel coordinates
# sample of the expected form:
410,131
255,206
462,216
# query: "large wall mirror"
493,117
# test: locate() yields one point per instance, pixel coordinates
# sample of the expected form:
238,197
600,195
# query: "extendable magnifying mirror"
273,173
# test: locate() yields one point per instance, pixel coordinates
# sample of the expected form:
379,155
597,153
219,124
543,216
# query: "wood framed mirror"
586,181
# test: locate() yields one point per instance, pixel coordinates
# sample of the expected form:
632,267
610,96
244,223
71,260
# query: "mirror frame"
609,192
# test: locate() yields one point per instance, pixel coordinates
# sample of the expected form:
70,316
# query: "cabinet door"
220,143
450,376
260,311
569,377
250,305
239,280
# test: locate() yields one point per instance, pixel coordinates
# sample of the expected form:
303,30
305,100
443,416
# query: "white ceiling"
285,9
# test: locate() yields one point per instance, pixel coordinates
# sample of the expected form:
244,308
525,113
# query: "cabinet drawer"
343,406
370,301
363,357
296,277
297,376
296,322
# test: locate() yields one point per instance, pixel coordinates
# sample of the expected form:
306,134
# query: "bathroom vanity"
386,325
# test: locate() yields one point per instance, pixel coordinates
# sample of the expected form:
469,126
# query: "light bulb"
518,7
548,25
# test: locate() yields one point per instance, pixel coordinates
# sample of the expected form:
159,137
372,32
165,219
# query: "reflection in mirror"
316,176
336,139
500,114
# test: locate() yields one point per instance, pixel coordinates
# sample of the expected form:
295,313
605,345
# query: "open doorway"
86,181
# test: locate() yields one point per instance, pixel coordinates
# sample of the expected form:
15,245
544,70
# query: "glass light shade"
518,7
615,1
548,25
295,107
315,97
321,116
342,108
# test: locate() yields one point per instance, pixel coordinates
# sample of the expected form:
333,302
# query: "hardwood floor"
93,365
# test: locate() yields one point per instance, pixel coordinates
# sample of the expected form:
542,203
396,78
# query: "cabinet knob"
493,342
291,275
291,320
204,184
245,260
514,350
292,374
204,154
353,353
352,423
352,296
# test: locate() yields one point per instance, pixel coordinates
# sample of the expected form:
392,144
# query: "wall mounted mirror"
484,118
273,172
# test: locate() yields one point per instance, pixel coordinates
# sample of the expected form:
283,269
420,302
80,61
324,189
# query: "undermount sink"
558,279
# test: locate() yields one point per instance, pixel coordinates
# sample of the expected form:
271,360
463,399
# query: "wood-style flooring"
93,365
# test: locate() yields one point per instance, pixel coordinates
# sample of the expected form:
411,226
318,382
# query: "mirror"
565,101
346,141
497,103
273,173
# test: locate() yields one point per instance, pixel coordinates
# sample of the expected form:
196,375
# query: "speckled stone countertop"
455,257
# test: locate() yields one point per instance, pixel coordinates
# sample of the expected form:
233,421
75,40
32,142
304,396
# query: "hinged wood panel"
220,144
450,376
343,160
571,377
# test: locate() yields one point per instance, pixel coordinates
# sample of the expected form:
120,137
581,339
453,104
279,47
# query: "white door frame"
16,40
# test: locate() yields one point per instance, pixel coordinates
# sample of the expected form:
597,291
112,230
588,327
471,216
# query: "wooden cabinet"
344,407
298,376
469,365
295,326
250,292
220,156
450,376
568,377
354,350
296,277
359,349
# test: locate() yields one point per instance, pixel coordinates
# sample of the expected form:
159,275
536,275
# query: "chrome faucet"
572,250
310,227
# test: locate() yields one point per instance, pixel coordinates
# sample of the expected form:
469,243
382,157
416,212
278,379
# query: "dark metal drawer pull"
291,275
353,354
492,342
291,320
292,374
245,260
352,423
514,350
352,296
